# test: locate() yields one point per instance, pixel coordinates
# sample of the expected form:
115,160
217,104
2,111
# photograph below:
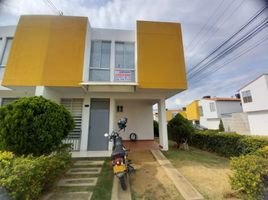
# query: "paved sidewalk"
182,184
118,193
78,182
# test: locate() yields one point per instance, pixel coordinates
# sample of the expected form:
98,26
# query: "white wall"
258,122
259,93
236,122
48,93
210,123
226,107
206,109
140,118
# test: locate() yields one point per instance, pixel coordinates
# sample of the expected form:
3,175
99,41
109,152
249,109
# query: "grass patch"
103,189
208,172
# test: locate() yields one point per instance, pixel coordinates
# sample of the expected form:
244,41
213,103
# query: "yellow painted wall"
160,55
47,51
170,112
193,111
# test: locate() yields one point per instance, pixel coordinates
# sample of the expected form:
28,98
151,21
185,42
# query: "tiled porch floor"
141,145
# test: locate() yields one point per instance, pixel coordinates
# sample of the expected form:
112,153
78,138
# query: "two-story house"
255,103
212,109
99,75
192,112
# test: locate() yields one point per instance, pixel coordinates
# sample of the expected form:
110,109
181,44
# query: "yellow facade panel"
171,113
47,51
160,56
192,111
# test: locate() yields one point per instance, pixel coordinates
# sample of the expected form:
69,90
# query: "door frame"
90,117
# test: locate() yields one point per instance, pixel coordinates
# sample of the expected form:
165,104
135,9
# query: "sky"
205,25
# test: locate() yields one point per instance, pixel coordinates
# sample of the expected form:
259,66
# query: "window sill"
108,83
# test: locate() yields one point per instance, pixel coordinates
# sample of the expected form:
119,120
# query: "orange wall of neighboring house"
160,56
47,51
192,111
170,114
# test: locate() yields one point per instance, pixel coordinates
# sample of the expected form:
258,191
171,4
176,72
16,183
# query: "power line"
52,6
204,26
250,48
251,20
210,37
243,39
211,27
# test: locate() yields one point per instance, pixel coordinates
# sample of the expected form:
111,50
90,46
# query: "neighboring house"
193,113
212,109
99,75
254,97
170,114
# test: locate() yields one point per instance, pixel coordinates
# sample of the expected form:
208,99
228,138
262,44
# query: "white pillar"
162,120
85,124
111,120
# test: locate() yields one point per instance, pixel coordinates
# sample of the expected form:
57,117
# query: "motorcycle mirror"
106,134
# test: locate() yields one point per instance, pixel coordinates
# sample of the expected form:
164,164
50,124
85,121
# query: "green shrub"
33,125
180,129
249,175
27,177
156,129
227,144
221,127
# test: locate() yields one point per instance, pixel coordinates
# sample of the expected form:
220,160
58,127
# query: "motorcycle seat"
118,151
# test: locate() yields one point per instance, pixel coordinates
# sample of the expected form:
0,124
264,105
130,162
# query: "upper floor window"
212,107
100,61
246,95
124,55
124,62
4,54
200,108
6,51
1,44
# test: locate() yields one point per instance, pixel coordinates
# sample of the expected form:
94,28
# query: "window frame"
100,61
247,96
212,107
133,69
201,112
3,50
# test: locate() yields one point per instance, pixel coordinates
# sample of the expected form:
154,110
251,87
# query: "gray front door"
98,124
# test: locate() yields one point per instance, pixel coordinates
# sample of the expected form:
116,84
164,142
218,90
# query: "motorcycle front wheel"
123,182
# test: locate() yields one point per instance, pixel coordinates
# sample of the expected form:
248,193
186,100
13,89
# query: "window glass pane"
2,69
129,55
95,54
105,54
1,44
247,98
6,51
212,107
99,75
119,55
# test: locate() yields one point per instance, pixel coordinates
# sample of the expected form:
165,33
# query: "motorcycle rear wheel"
123,182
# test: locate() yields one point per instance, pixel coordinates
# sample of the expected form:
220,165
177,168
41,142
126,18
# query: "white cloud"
192,14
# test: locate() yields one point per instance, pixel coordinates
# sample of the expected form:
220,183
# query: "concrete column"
111,120
162,120
47,93
85,124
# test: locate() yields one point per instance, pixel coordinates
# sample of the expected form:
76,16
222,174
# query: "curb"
184,187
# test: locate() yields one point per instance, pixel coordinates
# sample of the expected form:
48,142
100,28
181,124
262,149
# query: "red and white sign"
122,75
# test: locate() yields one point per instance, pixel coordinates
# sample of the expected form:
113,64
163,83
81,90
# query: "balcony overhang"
109,86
